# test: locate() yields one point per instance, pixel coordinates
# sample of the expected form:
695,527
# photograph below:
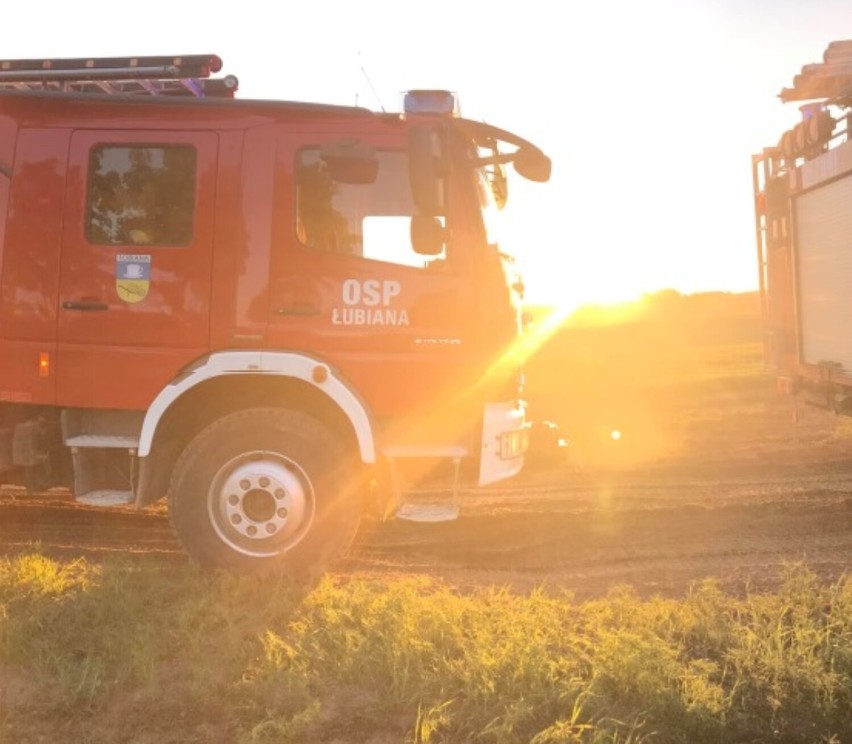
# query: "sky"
650,111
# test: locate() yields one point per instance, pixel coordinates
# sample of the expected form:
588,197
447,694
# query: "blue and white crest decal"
132,276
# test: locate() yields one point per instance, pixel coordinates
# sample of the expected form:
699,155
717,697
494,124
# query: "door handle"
85,305
301,310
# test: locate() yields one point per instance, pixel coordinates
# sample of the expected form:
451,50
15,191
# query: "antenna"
370,83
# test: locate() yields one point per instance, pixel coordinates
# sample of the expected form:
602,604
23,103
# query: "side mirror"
350,161
532,164
425,173
427,235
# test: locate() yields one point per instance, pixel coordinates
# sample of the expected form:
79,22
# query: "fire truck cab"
250,308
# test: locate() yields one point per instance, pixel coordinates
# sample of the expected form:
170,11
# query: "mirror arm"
480,130
496,159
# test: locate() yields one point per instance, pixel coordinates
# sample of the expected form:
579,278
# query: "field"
682,582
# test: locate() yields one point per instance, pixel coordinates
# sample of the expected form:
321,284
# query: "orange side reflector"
785,385
320,373
44,364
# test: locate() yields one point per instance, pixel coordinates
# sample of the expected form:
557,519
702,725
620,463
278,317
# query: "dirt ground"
739,491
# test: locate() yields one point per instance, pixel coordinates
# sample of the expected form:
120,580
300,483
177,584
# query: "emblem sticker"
132,276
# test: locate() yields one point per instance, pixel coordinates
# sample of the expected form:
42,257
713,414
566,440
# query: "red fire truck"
251,308
803,189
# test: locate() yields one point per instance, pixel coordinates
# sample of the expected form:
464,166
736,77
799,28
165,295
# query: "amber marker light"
44,364
320,374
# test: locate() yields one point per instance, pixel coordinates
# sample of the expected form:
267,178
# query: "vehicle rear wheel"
265,489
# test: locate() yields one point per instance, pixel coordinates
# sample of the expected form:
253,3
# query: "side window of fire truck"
141,195
369,220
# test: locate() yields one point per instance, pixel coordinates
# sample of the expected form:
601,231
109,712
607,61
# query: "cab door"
347,286
134,298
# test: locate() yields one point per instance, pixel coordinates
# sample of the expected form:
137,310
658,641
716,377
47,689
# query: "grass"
125,652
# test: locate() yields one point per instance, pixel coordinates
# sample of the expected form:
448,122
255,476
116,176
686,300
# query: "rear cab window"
141,195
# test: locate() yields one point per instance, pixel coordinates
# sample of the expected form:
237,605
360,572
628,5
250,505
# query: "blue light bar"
441,102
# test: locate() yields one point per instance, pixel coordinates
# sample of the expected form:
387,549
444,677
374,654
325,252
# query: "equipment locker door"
136,261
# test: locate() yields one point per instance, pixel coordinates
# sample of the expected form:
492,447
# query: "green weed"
125,652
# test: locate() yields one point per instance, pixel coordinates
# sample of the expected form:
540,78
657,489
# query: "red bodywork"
243,280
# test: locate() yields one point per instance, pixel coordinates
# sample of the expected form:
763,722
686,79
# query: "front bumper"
505,439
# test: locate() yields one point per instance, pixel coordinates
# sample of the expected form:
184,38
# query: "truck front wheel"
265,489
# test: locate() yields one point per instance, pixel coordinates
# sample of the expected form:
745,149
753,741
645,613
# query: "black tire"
265,490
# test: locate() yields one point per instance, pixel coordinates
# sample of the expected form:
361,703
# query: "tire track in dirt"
658,536
63,529
659,550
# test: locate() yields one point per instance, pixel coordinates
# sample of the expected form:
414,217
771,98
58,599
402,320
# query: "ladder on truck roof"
187,75
830,79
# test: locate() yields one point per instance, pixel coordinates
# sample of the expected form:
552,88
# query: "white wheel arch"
264,363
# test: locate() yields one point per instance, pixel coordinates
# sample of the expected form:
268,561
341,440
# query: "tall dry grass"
131,653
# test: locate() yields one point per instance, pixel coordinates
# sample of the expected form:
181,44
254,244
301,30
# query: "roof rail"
182,75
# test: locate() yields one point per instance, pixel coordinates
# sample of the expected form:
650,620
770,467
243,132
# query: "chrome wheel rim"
261,504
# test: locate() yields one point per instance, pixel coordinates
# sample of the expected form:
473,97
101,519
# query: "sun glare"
546,319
